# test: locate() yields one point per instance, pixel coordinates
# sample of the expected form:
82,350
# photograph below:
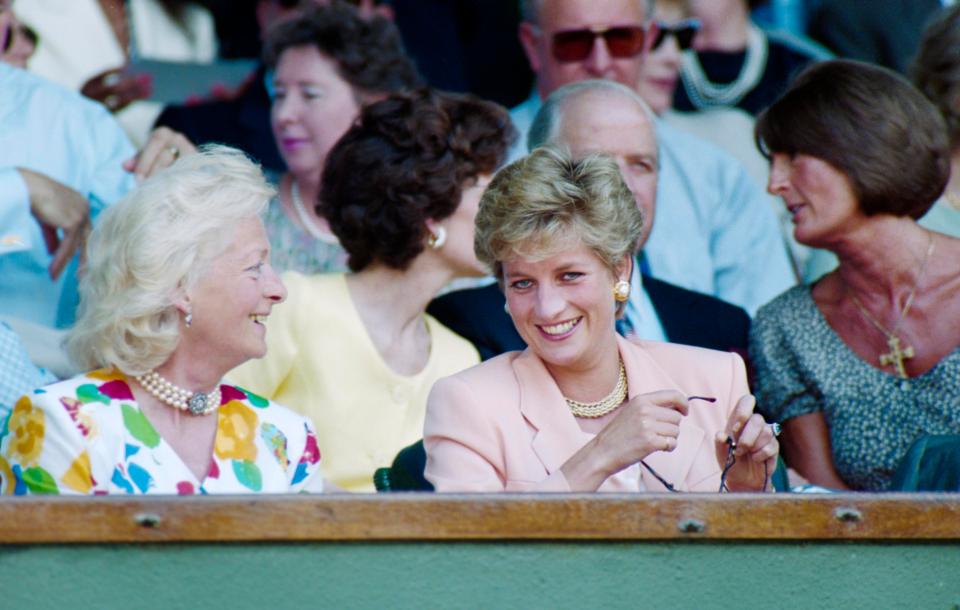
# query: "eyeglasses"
576,45
683,32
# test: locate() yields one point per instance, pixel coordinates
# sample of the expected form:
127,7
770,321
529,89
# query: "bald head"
604,117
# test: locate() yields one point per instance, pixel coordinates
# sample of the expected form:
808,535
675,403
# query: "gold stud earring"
621,290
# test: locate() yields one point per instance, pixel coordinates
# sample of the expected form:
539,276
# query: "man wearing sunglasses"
715,233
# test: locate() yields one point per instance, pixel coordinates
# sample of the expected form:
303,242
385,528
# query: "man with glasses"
715,233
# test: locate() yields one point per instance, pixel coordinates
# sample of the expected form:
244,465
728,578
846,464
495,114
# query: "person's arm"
785,396
806,447
63,214
16,221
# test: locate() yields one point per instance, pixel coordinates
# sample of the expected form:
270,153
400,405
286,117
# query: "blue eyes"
566,276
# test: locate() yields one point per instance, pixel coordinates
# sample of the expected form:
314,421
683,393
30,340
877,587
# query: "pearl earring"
188,319
621,290
436,240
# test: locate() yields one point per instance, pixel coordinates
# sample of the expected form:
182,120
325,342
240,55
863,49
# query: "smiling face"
607,122
232,299
312,108
819,197
563,306
566,15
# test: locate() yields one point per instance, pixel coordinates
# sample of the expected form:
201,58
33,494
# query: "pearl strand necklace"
196,403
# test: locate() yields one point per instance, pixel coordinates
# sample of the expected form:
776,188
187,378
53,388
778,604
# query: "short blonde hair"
153,245
536,206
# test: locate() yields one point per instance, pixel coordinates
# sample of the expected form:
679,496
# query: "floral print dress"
87,435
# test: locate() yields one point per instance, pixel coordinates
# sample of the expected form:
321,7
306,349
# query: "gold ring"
174,151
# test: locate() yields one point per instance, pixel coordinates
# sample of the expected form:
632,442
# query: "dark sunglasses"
683,32
576,45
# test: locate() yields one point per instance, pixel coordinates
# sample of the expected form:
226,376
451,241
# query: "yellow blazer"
503,425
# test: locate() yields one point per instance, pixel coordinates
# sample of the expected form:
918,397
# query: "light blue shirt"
640,315
59,133
18,376
714,231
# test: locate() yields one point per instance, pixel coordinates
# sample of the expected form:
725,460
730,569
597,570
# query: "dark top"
786,57
243,122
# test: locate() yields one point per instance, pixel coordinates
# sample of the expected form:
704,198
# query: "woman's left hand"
756,446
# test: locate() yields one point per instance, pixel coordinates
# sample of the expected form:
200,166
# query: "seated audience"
175,294
89,44
724,126
601,116
356,352
582,409
867,359
735,63
731,241
326,64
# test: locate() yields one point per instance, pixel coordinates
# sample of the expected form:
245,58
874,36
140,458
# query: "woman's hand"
756,448
163,148
647,423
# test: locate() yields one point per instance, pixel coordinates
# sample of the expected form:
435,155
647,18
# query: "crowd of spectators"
711,247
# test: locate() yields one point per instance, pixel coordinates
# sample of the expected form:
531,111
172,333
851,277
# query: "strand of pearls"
195,403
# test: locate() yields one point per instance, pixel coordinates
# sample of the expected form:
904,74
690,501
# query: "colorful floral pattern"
87,435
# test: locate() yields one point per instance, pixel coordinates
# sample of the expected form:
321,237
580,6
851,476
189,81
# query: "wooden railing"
435,517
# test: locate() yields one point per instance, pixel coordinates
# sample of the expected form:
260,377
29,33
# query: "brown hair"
871,124
405,161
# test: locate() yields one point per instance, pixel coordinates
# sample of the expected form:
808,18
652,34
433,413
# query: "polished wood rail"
436,517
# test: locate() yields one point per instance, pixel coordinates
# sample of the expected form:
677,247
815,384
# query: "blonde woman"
177,289
582,409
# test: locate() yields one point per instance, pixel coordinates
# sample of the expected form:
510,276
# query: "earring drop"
436,240
188,319
621,290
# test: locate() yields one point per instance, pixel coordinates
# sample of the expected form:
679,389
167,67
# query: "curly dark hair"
871,124
368,52
407,160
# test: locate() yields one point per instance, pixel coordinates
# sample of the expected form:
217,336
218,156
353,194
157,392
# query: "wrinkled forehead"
606,121
559,15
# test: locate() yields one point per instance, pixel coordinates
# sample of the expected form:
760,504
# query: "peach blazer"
503,425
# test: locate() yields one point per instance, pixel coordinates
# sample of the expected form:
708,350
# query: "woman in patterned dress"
867,359
177,288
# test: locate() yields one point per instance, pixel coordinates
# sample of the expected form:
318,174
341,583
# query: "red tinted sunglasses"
576,45
684,32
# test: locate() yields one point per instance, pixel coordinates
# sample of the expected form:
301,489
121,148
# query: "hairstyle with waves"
871,124
407,160
541,204
151,246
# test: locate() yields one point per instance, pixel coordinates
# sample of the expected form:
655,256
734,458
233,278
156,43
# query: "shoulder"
491,376
709,304
449,343
314,295
683,355
793,301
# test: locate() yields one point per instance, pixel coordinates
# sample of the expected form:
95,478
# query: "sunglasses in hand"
683,32
576,45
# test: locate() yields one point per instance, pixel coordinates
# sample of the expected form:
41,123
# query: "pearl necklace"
604,405
196,403
305,219
704,93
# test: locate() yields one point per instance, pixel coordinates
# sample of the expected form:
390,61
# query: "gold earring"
436,240
621,290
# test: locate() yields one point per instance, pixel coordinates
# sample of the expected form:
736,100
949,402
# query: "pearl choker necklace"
196,403
604,405
704,93
307,222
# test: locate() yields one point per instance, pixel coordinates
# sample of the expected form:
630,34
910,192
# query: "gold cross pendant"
896,356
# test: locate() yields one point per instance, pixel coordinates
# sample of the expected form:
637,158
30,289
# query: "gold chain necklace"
604,405
896,355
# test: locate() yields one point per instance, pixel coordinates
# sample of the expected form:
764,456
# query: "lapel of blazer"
644,375
558,436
